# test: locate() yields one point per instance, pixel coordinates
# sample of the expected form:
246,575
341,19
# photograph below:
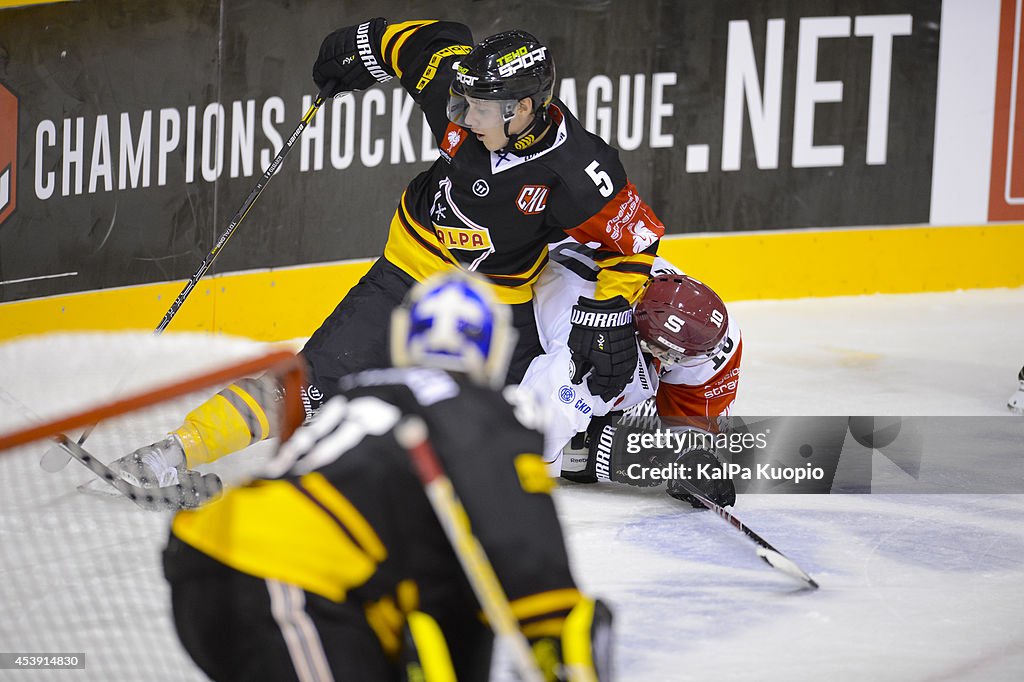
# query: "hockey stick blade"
785,565
769,554
166,498
54,459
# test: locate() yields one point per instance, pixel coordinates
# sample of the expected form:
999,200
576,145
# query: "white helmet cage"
452,321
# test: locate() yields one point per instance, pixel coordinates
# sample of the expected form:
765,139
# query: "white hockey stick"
412,435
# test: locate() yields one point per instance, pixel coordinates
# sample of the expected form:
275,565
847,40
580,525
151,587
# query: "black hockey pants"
355,336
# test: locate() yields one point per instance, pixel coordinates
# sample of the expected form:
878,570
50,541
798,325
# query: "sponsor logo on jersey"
454,136
463,238
481,188
566,394
582,406
8,152
643,236
627,211
532,199
724,385
520,59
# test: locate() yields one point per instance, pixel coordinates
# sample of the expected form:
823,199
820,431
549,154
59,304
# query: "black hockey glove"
341,61
721,491
603,342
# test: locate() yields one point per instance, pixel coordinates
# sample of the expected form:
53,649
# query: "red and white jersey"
695,395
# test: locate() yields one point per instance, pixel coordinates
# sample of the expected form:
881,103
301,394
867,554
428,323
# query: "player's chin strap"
529,135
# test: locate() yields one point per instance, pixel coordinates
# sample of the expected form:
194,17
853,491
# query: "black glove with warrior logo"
603,342
351,58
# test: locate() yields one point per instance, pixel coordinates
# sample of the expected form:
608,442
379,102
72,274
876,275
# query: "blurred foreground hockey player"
1016,402
516,172
686,377
334,565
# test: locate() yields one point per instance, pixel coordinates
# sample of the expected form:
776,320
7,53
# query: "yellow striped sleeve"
394,38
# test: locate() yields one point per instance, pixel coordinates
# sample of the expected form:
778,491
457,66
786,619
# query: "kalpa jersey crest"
8,152
468,241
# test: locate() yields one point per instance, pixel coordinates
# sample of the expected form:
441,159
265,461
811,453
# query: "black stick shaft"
235,221
739,525
244,209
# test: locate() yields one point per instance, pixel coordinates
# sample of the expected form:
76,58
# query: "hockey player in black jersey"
516,171
334,566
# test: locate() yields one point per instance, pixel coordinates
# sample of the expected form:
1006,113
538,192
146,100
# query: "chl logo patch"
8,152
532,199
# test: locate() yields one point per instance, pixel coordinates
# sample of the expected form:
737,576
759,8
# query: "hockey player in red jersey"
516,172
686,376
333,565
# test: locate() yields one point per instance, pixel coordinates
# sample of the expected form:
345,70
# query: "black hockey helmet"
506,67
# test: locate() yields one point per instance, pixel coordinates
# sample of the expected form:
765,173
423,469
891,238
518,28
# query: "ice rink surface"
913,586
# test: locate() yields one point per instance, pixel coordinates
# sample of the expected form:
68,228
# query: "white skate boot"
154,466
1016,402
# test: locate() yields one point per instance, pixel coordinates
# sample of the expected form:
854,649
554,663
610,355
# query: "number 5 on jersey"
600,178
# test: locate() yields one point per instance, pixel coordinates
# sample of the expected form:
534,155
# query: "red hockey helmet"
681,320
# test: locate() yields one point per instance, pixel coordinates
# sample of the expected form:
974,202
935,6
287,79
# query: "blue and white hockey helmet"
452,321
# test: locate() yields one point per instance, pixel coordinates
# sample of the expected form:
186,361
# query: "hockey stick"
171,497
55,459
412,435
204,486
246,205
769,554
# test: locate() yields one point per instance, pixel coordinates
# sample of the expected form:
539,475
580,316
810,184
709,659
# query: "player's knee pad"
425,655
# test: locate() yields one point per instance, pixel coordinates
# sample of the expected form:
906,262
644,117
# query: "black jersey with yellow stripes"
495,212
340,512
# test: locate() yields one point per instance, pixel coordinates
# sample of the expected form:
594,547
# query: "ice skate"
157,465
1016,402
